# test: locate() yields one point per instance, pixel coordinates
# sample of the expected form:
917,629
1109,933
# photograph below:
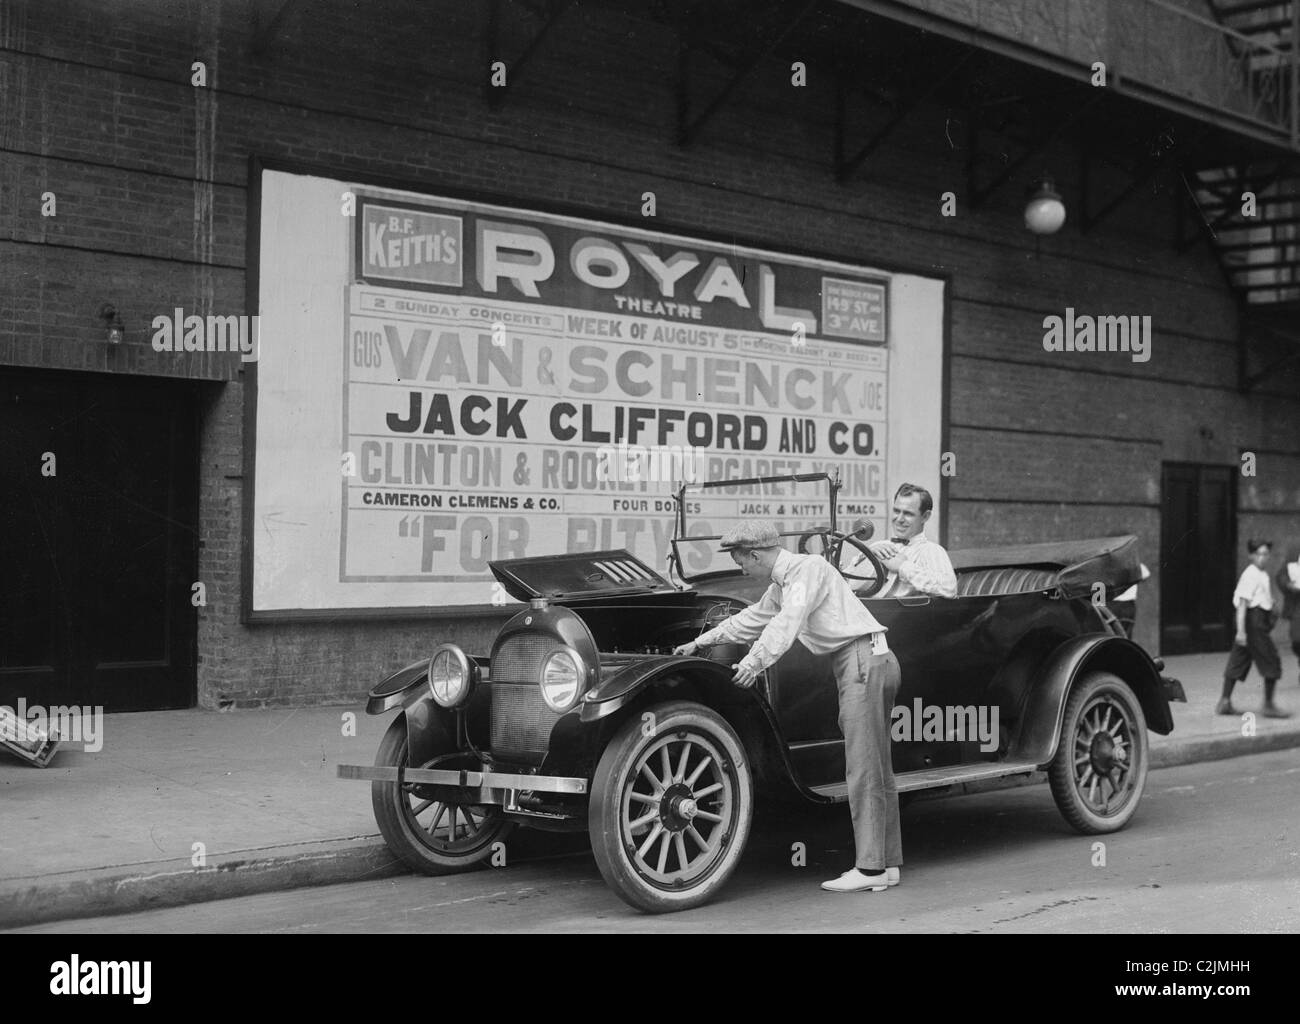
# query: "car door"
940,663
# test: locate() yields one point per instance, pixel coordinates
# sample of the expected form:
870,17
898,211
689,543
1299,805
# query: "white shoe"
893,876
854,880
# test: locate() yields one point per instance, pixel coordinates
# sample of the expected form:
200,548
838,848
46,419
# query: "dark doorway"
99,558
1198,541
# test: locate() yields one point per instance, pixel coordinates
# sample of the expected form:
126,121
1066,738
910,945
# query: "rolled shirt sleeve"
807,601
1253,588
930,571
781,632
775,620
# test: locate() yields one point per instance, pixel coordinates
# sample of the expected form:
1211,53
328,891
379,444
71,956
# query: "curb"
128,889
1219,748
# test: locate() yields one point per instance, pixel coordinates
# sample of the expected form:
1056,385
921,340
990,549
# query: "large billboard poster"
441,383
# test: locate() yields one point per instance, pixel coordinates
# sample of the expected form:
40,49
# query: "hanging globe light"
1045,210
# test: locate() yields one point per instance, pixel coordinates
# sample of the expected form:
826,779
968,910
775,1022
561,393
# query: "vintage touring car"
580,717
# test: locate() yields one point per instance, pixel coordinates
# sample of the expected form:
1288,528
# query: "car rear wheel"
1100,768
428,827
671,807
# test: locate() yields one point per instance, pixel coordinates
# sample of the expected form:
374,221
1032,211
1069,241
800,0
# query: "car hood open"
585,574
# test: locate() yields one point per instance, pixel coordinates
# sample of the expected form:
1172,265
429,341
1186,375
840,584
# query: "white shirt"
926,569
1254,589
809,601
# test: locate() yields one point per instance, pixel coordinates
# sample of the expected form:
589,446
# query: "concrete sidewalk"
184,806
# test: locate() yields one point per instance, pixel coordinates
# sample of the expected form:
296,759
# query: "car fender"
1040,726
747,711
621,689
399,688
430,728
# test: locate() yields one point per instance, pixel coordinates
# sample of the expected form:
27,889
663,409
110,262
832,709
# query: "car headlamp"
450,676
562,675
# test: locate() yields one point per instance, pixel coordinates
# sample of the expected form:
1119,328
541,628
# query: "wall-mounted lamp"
114,330
1045,211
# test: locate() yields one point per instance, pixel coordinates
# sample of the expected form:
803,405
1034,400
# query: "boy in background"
1253,600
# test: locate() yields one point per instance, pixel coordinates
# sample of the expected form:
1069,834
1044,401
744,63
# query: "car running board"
933,778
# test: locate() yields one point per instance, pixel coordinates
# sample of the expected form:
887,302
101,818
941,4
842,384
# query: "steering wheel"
832,544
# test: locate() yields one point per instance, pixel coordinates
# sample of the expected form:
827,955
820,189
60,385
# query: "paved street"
1213,848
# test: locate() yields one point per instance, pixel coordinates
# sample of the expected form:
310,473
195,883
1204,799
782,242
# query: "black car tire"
636,835
1102,755
399,807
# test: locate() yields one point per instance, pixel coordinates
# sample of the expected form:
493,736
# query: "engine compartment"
651,626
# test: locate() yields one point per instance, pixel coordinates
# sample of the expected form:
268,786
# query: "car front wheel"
1100,768
671,807
431,828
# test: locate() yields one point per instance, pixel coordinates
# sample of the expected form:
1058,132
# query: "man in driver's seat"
810,601
916,564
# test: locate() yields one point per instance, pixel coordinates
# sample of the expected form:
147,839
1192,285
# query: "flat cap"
752,533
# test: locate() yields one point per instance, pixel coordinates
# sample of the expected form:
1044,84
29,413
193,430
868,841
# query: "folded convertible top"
1078,563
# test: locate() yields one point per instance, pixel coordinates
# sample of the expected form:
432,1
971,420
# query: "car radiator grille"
521,721
519,659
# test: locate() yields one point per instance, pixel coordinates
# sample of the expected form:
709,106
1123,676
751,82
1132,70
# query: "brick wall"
151,179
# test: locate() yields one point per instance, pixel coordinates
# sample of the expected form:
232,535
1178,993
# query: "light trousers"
868,684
